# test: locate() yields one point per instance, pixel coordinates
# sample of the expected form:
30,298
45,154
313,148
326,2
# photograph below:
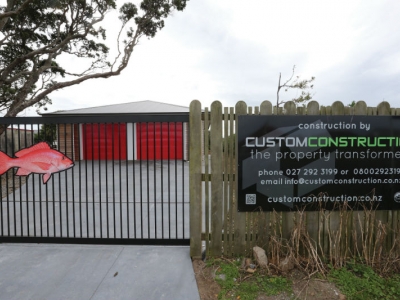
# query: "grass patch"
358,281
236,283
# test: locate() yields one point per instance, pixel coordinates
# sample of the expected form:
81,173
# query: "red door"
159,140
104,141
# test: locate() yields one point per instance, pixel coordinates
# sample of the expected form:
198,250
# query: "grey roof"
140,107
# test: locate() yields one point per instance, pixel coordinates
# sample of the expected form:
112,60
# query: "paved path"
95,272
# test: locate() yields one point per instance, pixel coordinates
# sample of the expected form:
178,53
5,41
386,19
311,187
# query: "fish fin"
46,177
5,162
38,146
23,172
42,165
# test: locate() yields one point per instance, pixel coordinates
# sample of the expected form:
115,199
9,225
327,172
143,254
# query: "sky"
231,50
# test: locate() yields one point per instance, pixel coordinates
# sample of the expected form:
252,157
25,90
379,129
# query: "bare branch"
296,84
287,81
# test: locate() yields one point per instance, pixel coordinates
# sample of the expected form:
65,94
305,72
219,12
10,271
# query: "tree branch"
302,85
9,13
20,105
32,42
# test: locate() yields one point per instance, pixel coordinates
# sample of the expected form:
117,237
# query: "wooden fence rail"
214,218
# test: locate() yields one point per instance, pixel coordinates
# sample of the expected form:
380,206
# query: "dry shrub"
344,235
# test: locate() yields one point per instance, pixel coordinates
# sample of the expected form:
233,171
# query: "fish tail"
5,163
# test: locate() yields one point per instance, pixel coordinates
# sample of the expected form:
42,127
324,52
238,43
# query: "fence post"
195,183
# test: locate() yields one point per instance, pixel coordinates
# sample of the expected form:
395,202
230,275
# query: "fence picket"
384,216
217,208
312,217
232,181
240,218
207,177
289,108
226,175
264,217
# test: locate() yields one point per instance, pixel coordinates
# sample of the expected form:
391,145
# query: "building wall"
67,141
70,141
15,139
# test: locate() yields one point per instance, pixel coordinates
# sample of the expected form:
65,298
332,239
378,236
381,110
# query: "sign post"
286,163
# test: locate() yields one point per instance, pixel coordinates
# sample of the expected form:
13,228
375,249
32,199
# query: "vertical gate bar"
13,181
20,183
81,146
7,188
134,176
154,175
40,195
59,189
113,177
86,178
100,185
53,197
66,180
34,198
183,180
169,181
27,184
148,178
72,127
127,179
93,198
120,179
26,193
47,198
106,171
162,181
54,203
141,177
176,181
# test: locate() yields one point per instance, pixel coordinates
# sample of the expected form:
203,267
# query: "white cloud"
230,50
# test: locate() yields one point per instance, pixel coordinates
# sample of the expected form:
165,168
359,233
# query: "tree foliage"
47,133
36,34
304,85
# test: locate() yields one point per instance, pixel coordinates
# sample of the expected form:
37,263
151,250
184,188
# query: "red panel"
104,141
159,140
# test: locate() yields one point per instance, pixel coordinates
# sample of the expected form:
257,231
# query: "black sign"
291,162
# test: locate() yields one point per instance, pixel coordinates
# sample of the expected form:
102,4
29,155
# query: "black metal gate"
128,184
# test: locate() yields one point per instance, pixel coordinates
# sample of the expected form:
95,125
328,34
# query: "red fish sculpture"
39,158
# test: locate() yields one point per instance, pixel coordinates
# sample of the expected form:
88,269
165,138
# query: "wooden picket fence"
214,220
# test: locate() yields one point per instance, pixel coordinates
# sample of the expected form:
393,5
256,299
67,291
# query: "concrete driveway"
39,271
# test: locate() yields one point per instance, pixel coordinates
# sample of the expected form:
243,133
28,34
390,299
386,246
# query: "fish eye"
63,158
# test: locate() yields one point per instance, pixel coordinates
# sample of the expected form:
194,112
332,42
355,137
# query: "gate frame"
114,118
